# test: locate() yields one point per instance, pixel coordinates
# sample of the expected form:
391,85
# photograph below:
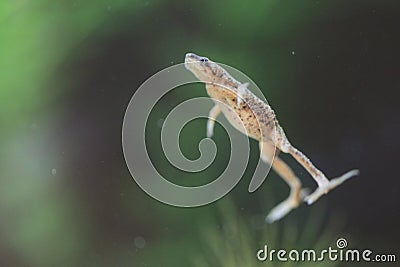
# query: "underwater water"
329,70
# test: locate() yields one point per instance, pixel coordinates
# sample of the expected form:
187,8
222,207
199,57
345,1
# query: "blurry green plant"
236,241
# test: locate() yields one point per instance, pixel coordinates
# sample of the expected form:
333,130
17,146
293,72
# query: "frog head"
204,69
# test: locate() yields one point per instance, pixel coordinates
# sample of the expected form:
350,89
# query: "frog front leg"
213,114
242,89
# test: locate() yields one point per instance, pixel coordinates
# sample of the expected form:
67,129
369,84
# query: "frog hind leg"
324,185
286,173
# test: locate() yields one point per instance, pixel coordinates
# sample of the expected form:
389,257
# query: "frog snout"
191,56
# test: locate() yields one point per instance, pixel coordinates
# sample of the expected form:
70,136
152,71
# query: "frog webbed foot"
327,186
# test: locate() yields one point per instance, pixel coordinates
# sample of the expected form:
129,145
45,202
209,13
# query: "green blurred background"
330,70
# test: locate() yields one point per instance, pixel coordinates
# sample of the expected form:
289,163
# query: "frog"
255,118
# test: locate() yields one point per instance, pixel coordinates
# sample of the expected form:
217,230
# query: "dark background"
330,70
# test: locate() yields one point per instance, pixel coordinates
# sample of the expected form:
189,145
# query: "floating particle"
139,242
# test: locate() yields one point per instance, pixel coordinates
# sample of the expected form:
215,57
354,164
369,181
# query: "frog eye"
203,59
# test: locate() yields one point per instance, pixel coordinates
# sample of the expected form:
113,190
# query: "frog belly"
240,122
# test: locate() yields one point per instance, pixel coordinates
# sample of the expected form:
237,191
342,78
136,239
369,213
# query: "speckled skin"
252,112
260,123
255,115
